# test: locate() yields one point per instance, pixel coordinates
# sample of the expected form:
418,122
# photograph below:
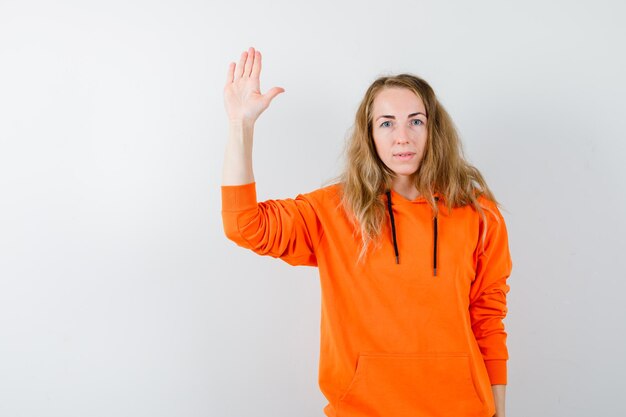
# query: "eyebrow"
390,116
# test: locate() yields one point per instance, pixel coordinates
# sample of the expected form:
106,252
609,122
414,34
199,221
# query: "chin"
405,172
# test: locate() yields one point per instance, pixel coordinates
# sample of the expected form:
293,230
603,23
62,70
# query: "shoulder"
326,199
330,192
490,208
486,202
493,222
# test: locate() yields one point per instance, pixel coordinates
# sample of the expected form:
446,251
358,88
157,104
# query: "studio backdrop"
121,296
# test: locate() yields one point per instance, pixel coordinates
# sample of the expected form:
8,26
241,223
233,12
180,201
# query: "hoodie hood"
393,229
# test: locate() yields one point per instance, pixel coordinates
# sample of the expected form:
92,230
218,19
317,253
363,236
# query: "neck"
404,186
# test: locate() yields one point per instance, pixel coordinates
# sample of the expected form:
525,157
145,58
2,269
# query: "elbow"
242,230
237,233
231,227
231,231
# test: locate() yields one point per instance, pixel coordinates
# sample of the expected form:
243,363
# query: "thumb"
273,92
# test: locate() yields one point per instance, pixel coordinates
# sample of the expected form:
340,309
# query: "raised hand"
242,93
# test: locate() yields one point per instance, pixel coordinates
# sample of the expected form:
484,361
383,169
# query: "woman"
411,248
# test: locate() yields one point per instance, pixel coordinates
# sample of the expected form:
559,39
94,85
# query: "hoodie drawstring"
393,227
395,241
435,241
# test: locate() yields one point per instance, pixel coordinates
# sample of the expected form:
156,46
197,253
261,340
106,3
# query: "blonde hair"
443,168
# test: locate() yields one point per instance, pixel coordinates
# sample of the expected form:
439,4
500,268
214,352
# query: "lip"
404,156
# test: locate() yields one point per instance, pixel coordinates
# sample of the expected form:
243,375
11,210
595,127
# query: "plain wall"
121,296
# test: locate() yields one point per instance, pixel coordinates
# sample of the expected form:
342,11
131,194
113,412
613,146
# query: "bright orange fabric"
396,341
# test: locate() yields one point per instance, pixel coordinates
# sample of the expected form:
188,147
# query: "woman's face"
399,129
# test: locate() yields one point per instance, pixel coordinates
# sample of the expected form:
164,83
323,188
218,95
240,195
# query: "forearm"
499,392
238,156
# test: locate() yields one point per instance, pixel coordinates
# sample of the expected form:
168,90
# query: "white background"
121,296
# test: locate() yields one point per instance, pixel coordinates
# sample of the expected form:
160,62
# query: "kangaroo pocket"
412,385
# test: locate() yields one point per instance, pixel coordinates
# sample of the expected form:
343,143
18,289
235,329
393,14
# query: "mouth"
403,156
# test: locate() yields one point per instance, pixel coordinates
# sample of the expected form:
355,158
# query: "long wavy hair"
443,168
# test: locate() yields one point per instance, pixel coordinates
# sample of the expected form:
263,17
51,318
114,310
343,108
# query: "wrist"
236,122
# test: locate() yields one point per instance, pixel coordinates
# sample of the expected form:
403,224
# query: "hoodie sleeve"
287,229
488,293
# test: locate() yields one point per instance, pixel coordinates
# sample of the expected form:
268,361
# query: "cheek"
421,144
380,148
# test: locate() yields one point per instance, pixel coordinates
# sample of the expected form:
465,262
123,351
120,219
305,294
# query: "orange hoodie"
417,330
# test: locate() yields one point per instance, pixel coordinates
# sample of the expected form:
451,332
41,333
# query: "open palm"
242,93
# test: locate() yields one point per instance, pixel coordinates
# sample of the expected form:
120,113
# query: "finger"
240,66
249,62
256,68
231,73
273,92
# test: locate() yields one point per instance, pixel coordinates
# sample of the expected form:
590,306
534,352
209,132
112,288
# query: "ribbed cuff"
239,197
496,368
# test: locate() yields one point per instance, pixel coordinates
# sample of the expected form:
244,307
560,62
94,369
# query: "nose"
402,134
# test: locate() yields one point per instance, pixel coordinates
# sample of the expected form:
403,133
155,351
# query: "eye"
418,120
383,123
